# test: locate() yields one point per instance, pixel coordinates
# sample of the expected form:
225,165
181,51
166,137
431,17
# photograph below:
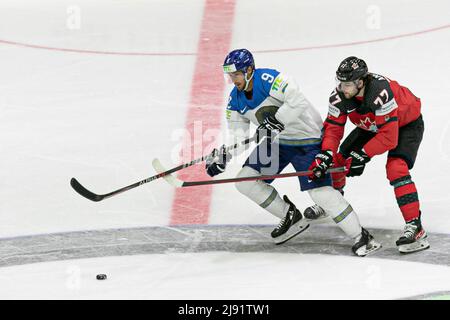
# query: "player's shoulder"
265,77
337,103
259,72
377,91
271,81
377,83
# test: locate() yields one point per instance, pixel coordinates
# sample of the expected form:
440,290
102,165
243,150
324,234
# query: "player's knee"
245,187
396,168
327,197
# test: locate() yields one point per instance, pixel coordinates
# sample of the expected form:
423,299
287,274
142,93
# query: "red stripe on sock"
192,205
409,211
404,190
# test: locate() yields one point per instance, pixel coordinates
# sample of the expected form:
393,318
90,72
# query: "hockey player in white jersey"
272,101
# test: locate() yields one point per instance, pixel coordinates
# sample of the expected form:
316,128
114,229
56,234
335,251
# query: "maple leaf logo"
368,125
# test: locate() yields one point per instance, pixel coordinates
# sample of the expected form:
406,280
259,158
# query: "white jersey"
279,95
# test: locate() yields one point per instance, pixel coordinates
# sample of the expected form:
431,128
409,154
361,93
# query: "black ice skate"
291,225
413,238
365,244
315,212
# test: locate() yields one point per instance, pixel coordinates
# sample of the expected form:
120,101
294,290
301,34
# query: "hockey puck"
101,277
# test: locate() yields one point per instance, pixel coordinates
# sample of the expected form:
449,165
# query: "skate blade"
296,229
419,245
363,251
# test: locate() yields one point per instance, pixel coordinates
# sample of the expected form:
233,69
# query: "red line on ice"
116,53
355,43
192,205
325,46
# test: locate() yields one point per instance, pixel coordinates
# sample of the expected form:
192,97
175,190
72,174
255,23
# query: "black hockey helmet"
351,69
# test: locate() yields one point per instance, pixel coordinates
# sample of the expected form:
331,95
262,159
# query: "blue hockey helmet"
238,60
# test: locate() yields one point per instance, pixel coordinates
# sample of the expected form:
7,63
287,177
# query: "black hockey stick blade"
99,197
85,192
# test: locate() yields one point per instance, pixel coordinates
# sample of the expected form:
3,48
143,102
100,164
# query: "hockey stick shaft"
80,189
264,177
182,184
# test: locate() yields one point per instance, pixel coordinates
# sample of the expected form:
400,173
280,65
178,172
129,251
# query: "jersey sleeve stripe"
335,122
389,120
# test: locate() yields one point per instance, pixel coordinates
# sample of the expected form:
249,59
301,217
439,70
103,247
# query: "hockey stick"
78,187
182,184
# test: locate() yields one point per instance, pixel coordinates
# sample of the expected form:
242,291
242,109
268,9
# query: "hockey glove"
269,128
217,162
320,164
358,160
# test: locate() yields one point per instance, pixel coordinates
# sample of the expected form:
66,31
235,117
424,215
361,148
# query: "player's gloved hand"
268,128
322,161
358,160
217,162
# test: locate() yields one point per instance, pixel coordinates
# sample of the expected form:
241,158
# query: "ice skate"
291,225
413,238
365,244
315,213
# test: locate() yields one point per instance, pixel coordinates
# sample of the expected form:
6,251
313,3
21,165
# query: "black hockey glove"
358,163
217,162
269,128
320,164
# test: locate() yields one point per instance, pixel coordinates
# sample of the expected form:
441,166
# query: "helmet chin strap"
247,81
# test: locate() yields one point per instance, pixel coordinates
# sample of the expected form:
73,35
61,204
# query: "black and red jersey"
383,109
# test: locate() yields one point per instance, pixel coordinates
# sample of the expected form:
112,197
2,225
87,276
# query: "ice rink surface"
97,89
